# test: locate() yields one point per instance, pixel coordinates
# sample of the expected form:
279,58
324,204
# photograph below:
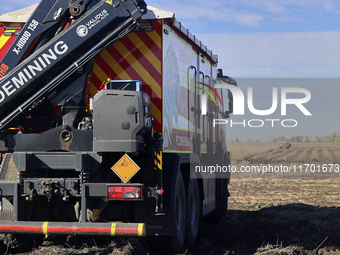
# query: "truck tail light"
124,192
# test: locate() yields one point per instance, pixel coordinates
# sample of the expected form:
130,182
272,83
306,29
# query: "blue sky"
266,38
258,38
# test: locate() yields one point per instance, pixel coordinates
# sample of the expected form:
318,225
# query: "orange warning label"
125,168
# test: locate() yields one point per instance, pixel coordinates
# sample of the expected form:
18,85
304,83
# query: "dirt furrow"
263,156
289,155
325,155
335,152
314,155
301,156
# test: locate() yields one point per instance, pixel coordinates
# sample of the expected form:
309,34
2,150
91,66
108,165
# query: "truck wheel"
180,212
174,242
193,212
221,202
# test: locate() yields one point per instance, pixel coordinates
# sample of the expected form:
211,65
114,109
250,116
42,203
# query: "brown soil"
320,153
302,160
274,215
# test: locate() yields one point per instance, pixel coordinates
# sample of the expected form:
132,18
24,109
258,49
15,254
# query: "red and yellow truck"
102,126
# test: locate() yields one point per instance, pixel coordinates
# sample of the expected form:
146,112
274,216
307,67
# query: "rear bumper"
73,228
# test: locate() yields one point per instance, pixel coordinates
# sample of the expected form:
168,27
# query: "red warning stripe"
22,228
68,229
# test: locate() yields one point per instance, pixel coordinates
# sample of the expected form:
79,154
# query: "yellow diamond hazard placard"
125,168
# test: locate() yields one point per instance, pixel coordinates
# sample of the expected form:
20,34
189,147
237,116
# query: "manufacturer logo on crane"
82,31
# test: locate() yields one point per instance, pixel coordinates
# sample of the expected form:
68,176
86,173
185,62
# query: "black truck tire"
174,243
193,211
221,202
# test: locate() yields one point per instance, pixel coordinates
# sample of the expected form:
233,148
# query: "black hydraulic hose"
116,35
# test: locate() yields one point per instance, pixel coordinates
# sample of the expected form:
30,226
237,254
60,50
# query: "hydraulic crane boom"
46,53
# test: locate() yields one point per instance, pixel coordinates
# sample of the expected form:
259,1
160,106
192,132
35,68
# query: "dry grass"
243,150
254,194
86,245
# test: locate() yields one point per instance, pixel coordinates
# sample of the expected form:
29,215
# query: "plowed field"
321,153
276,213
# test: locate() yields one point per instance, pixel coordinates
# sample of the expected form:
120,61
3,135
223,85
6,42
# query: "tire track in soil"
313,156
290,155
261,155
300,157
316,155
264,157
335,156
324,155
281,157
